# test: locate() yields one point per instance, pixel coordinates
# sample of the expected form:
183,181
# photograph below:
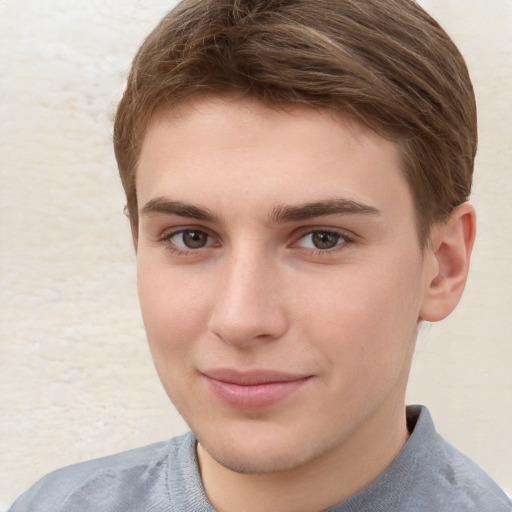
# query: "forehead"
219,149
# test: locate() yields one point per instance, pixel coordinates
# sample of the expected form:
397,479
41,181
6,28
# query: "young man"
297,175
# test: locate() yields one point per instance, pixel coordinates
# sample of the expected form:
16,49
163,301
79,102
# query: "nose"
250,305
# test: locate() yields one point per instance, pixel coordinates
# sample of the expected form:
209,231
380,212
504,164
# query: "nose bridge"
249,305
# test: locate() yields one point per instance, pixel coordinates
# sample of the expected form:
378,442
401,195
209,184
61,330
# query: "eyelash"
344,240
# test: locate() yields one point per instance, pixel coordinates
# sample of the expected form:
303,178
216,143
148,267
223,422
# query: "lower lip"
253,397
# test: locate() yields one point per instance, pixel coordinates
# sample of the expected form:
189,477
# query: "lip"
255,389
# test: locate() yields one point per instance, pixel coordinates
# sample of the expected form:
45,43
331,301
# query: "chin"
260,461
263,447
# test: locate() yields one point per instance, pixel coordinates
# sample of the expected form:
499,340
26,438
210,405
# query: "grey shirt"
428,475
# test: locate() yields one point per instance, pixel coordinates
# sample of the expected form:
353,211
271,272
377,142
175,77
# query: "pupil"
194,239
325,240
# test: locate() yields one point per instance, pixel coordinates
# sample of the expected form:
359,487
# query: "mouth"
254,389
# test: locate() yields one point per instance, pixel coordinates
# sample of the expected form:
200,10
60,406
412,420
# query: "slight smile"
254,389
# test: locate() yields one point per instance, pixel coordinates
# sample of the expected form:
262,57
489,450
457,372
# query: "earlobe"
446,272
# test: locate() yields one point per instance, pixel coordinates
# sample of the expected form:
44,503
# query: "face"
280,277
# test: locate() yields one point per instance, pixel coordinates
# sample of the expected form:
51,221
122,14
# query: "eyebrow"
281,213
161,205
307,211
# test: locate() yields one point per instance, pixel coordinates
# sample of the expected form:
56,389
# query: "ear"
447,263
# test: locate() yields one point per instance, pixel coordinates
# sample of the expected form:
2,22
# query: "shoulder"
464,483
429,475
115,482
446,478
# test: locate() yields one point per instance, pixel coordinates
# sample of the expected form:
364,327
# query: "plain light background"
76,379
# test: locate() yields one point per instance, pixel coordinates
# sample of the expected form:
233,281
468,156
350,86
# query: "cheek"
172,309
173,320
365,321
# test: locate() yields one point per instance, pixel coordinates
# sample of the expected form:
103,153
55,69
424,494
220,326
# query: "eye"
190,239
322,240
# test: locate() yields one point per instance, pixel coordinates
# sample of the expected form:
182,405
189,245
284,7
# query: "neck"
317,484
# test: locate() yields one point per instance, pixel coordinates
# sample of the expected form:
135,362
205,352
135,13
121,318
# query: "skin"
286,241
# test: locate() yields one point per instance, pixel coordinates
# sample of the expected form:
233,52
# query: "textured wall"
76,379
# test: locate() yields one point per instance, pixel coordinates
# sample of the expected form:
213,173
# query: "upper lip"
252,377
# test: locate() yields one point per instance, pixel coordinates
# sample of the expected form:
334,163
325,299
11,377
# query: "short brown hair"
384,62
